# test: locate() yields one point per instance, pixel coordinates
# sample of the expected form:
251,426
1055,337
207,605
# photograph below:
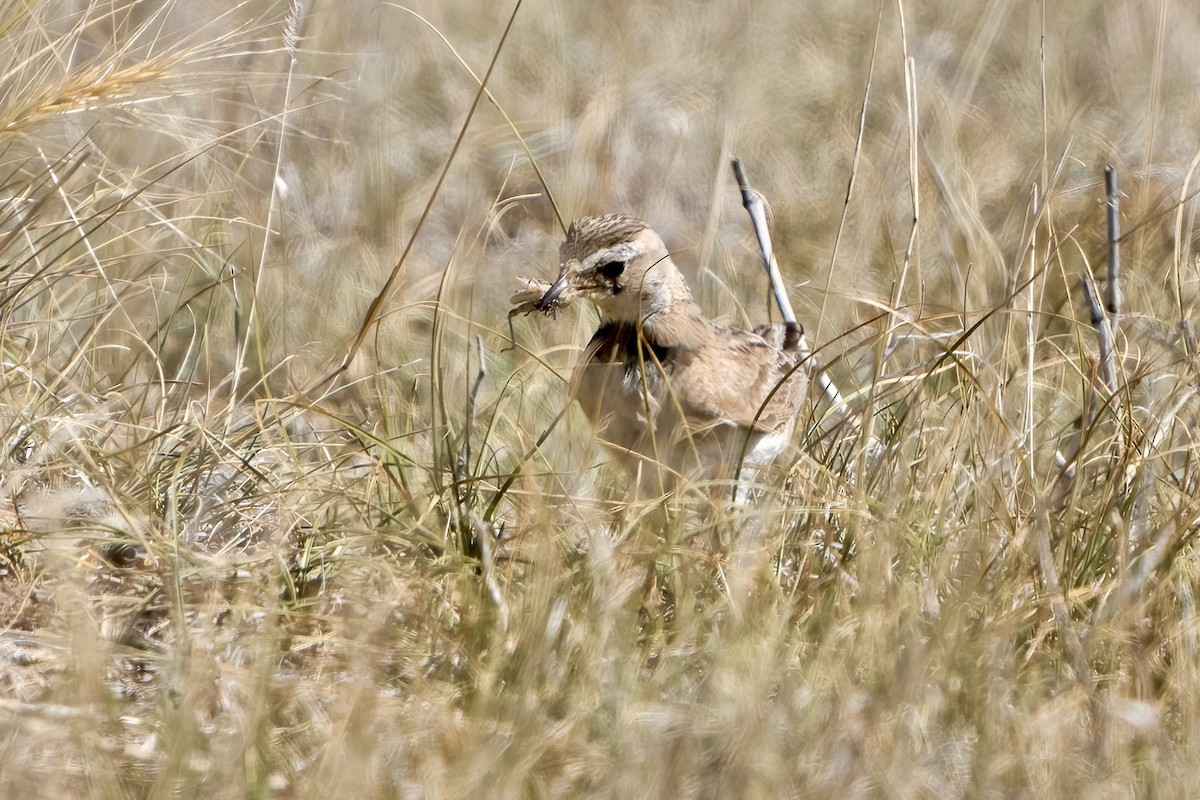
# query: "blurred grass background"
223,576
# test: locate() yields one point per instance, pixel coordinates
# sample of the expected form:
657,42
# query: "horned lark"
660,382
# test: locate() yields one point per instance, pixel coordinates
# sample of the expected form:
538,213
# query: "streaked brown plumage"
659,380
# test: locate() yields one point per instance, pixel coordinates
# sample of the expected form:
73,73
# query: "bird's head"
620,264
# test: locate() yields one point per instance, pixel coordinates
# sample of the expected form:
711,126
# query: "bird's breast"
621,382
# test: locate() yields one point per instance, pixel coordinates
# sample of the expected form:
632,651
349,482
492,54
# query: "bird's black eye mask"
612,270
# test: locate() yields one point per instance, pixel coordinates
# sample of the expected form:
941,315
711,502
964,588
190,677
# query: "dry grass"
227,570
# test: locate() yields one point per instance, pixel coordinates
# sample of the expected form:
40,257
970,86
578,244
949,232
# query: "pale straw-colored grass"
229,568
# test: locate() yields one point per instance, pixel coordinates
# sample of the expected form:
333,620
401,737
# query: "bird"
660,382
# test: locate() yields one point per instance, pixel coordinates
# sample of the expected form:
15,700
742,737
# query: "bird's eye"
613,269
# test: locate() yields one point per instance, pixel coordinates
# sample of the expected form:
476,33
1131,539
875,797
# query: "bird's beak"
550,299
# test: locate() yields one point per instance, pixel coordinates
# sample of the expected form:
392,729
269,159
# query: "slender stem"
373,310
1031,331
754,206
758,217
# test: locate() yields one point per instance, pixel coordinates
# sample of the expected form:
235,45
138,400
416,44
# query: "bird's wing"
744,378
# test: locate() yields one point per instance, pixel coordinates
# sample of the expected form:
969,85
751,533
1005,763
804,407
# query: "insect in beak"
549,300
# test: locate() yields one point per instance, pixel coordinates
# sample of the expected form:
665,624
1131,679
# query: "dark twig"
1107,356
1108,367
481,534
1105,323
462,460
1113,204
